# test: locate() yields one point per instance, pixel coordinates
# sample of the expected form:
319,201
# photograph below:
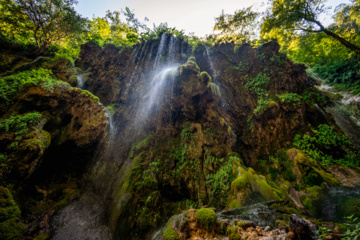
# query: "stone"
302,228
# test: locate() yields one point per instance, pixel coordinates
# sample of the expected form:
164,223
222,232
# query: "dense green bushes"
11,85
327,147
20,123
343,73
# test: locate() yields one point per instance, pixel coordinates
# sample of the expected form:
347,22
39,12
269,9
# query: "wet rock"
295,196
348,177
302,228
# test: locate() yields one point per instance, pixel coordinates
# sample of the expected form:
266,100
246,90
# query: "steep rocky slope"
236,129
192,125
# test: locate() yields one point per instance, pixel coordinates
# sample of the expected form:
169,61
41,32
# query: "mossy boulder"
170,233
189,67
10,226
206,218
247,183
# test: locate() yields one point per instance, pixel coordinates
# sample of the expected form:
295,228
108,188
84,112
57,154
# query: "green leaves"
241,24
258,83
20,124
13,84
327,147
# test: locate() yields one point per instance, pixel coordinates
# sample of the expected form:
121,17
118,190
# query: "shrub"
257,84
20,123
327,147
13,84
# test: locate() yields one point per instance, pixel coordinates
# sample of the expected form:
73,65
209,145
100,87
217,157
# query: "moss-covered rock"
206,217
10,226
170,233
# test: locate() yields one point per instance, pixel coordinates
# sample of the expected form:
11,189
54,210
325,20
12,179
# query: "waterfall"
160,50
164,74
211,61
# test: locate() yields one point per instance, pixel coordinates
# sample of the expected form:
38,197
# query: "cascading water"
145,98
346,110
211,61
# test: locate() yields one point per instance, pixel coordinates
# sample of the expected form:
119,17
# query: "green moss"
147,219
234,203
92,96
239,183
170,233
13,84
21,124
43,236
289,97
10,226
233,233
205,77
215,89
206,217
189,66
192,58
73,80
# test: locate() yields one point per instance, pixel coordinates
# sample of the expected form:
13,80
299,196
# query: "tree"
241,24
47,20
301,15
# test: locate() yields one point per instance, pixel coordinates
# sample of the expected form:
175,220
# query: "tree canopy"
241,24
47,21
301,15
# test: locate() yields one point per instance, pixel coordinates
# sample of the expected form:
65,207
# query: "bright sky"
196,16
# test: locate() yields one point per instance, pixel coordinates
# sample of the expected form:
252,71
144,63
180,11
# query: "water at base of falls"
81,220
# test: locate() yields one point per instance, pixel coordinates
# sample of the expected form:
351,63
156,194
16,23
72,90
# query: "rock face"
48,140
208,126
303,228
191,125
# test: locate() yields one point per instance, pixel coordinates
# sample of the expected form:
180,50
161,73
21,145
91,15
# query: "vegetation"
10,226
13,84
327,147
45,21
20,124
291,16
170,233
206,217
240,26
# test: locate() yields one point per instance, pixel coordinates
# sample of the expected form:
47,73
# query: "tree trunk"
342,40
335,36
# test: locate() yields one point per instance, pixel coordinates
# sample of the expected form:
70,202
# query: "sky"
197,16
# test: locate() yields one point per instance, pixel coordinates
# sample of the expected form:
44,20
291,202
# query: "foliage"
289,97
327,147
353,231
20,124
258,83
241,24
322,232
313,97
170,233
219,182
46,21
13,84
240,67
343,73
206,217
92,96
287,17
